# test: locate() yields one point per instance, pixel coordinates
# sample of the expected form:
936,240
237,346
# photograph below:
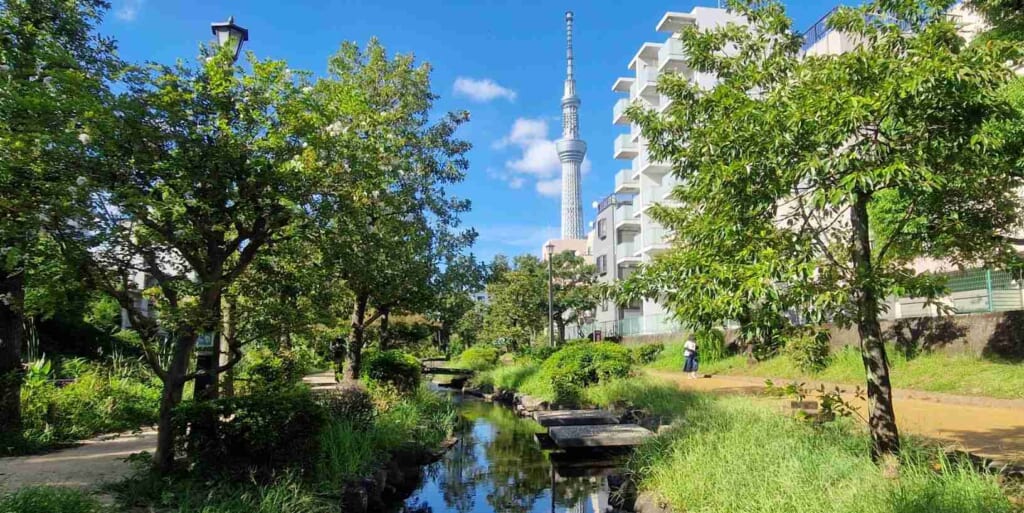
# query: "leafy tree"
1006,18
207,167
396,223
55,71
519,298
453,289
820,179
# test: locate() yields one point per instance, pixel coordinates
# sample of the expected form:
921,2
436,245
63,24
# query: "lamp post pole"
208,339
551,295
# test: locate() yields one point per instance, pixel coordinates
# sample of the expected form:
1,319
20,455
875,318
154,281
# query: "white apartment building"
623,232
637,237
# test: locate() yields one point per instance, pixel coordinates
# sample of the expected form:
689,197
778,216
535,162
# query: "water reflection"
497,466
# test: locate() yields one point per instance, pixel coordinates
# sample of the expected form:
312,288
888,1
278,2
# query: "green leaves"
773,157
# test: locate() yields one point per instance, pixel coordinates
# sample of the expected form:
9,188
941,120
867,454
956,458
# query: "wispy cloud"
482,90
537,159
129,10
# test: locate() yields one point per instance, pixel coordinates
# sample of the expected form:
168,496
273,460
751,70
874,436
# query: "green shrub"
645,354
350,402
265,370
253,434
49,499
537,353
574,367
395,368
479,358
94,403
809,351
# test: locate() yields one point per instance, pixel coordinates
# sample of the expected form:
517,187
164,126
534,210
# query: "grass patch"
521,377
933,372
657,397
49,499
738,456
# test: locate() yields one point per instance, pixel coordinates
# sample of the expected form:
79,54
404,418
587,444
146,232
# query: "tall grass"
654,396
347,450
49,499
521,377
934,372
737,456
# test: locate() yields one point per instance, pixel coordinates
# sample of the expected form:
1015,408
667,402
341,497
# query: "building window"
602,228
602,264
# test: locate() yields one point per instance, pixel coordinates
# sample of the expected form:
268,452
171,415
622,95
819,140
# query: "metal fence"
970,291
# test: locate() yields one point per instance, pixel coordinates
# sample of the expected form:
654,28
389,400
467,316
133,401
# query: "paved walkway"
989,427
96,461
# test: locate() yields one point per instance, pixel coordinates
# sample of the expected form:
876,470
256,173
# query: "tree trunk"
208,360
12,299
560,324
355,345
881,416
385,335
163,460
227,384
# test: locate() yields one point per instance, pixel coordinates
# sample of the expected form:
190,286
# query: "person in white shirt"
690,356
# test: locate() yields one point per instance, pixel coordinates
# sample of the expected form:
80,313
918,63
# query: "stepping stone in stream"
574,418
610,436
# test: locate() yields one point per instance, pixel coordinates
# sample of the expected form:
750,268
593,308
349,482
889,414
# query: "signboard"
205,340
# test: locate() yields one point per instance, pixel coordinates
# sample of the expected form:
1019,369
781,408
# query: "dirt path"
990,428
96,461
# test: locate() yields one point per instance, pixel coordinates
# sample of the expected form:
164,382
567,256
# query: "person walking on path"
690,356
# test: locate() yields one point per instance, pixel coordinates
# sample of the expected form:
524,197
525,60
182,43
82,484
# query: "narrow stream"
499,467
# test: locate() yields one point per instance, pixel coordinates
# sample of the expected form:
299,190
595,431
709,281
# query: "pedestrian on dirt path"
690,356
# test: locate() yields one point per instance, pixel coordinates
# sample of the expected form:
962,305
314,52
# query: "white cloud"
482,90
129,10
538,157
551,188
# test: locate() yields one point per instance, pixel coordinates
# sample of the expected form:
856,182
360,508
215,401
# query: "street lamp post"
551,295
230,35
208,341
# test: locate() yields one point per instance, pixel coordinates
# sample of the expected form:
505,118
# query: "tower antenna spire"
571,149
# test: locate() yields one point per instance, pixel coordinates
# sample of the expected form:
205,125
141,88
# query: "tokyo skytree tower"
571,149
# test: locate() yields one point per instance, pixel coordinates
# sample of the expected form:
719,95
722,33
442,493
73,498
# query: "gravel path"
95,462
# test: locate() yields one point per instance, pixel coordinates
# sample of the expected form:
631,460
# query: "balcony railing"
624,212
671,51
624,181
625,148
646,77
619,112
626,250
655,235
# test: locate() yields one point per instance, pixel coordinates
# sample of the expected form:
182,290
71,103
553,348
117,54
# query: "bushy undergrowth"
252,434
350,449
396,368
741,457
647,353
183,494
267,370
99,400
576,366
479,358
49,499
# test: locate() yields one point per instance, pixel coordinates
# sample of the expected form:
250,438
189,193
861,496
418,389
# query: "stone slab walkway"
993,428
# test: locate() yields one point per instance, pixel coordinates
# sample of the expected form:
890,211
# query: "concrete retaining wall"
999,334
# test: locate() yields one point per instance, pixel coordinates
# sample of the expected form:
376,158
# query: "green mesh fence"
984,290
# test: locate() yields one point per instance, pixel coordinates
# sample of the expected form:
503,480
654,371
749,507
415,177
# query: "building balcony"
656,239
672,55
625,183
664,102
619,112
626,217
627,252
646,84
650,167
625,147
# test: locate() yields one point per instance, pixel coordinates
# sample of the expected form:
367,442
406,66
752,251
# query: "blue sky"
508,60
